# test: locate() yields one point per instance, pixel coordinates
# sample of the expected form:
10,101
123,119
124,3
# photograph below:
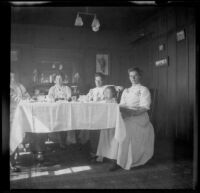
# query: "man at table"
17,93
95,94
61,92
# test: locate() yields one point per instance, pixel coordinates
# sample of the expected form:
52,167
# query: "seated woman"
61,92
17,93
107,135
138,145
95,94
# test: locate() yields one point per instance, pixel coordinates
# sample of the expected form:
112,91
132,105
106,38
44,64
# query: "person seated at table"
95,94
36,94
106,135
17,93
61,92
138,146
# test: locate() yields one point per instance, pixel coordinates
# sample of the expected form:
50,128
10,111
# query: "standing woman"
138,145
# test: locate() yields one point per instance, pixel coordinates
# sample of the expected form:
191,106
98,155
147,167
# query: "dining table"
48,117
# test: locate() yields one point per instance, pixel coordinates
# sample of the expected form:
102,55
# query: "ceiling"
111,18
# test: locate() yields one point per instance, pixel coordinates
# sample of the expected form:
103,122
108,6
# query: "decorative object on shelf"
162,62
42,79
161,47
60,67
53,77
75,91
102,64
53,66
95,23
50,78
35,76
75,78
180,35
66,80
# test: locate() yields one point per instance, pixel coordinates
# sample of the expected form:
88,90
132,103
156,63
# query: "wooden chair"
119,90
154,93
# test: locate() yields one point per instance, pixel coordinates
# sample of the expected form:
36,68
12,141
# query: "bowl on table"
83,98
42,98
60,99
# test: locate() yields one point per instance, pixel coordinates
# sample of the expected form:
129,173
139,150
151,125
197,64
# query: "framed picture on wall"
102,63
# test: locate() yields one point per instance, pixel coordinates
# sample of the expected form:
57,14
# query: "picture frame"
180,35
162,62
102,64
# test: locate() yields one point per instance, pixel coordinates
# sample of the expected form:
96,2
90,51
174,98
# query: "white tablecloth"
45,117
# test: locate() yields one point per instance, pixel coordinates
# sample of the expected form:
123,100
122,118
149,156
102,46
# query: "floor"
170,168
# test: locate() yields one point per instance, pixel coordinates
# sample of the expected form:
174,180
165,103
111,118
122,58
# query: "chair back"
154,93
119,90
119,94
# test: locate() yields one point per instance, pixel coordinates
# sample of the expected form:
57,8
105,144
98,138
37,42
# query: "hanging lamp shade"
95,24
95,29
78,21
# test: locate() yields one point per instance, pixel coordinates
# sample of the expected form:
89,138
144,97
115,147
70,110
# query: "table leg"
38,145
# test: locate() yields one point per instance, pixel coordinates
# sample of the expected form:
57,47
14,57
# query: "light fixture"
95,23
79,21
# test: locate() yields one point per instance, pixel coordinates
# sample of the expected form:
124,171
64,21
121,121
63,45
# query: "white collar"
58,86
101,87
136,85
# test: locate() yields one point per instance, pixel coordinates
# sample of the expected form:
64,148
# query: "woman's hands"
15,98
127,111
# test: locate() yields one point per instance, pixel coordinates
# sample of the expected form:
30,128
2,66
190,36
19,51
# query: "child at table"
110,94
106,135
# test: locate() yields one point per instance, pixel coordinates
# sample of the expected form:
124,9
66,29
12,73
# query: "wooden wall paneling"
155,72
113,68
23,63
124,65
89,58
182,14
164,70
145,56
26,65
171,49
131,63
172,113
150,66
162,100
116,74
182,78
162,82
16,65
191,70
191,52
187,104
